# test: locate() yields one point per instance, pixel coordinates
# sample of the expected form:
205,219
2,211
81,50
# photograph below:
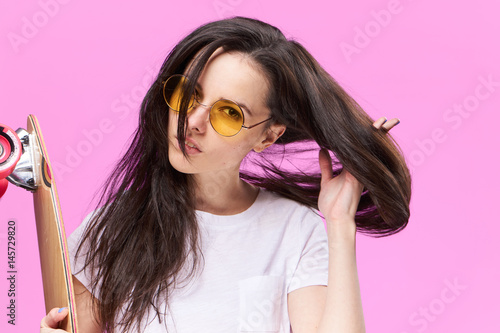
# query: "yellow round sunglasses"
226,117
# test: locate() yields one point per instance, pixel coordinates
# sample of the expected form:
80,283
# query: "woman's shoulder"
76,236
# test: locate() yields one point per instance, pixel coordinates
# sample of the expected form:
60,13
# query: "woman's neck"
222,193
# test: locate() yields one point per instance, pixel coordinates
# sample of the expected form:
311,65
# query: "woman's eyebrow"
246,108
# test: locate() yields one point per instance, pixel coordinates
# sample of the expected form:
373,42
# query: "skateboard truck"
23,174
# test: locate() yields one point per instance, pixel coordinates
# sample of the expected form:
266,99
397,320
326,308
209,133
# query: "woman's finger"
379,122
52,319
390,124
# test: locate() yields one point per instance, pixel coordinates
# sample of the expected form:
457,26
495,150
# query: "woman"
189,240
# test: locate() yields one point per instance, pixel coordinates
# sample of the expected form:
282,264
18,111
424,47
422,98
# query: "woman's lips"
191,146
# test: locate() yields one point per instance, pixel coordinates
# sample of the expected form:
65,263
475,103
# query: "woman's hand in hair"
339,196
51,321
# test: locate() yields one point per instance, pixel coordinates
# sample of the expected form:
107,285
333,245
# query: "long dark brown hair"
147,234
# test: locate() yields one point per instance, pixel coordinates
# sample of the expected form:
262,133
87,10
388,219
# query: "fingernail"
61,310
398,122
384,121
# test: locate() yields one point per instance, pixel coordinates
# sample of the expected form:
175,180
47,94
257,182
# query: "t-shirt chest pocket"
260,304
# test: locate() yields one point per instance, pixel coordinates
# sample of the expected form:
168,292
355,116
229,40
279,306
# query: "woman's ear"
271,135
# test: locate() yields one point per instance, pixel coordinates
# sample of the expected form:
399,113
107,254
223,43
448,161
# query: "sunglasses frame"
195,100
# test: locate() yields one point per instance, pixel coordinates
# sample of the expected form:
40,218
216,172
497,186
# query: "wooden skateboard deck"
54,257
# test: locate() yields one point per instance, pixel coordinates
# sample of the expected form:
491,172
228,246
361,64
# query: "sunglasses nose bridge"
196,101
200,113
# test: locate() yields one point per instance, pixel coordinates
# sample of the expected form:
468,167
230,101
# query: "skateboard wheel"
10,150
3,186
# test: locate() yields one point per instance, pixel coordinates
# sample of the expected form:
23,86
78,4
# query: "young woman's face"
230,76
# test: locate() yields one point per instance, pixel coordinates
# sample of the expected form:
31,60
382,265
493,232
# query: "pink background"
83,67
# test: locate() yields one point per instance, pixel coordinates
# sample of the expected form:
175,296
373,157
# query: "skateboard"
25,163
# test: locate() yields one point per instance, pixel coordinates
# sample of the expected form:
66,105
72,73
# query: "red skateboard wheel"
10,150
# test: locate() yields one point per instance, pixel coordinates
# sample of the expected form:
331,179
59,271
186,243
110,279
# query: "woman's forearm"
343,310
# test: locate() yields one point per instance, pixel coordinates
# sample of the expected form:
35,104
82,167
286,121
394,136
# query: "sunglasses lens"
226,118
173,92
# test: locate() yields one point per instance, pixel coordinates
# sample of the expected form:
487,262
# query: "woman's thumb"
54,317
325,164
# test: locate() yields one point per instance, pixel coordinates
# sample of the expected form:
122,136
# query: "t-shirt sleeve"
77,263
312,267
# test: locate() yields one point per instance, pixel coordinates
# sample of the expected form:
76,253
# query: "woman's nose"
198,118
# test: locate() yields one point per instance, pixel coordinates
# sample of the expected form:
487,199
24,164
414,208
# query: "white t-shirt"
252,260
